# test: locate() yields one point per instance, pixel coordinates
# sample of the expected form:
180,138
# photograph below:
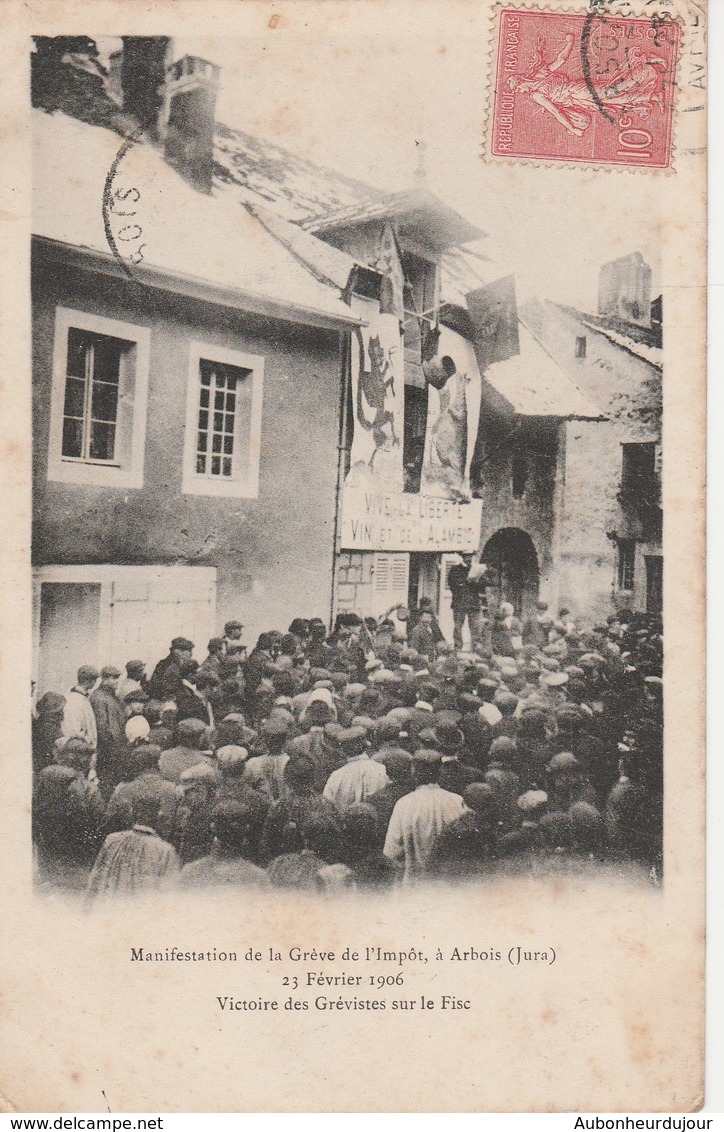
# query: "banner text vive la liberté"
373,520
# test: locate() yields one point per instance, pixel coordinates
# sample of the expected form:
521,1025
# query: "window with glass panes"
216,441
626,563
92,384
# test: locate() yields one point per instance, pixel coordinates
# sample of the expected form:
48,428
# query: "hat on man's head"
231,757
504,699
145,757
353,740
136,696
135,668
319,674
480,797
52,703
190,728
232,626
352,691
568,715
385,676
396,762
554,679
279,711
75,753
201,772
388,729
87,674
502,749
183,644
365,721
447,667
427,756
588,826
275,727
563,763
532,801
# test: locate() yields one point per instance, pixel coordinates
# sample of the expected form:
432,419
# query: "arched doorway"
511,553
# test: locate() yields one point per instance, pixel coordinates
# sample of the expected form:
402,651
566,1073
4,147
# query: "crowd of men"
359,759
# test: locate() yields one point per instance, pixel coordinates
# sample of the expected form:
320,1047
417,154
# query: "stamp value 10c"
584,88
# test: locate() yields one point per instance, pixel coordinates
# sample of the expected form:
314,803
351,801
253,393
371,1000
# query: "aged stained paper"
435,260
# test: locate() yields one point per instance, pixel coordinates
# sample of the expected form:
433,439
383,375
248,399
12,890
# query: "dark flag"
494,316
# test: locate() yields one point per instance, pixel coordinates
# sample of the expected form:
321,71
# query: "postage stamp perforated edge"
632,12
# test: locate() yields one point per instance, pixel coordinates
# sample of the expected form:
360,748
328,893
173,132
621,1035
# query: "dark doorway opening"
511,554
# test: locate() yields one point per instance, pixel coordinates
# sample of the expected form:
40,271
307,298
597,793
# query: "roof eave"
558,416
450,228
196,288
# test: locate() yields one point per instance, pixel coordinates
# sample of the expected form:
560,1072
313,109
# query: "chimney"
143,70
114,84
624,289
188,119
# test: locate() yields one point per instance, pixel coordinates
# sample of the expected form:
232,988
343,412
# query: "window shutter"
382,573
391,581
400,574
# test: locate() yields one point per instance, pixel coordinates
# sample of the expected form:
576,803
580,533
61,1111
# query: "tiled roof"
638,340
186,234
418,202
295,187
278,186
534,385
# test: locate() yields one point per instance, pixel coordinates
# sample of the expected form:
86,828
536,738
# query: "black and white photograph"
347,542
355,576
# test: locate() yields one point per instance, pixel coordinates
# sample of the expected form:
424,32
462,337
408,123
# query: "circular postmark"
123,230
626,62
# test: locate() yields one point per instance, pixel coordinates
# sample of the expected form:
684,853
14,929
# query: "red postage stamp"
585,88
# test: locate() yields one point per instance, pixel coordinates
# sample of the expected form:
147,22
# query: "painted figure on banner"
453,379
378,400
633,87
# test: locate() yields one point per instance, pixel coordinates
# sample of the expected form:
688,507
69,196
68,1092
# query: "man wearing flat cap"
78,716
420,817
186,753
360,777
167,680
468,582
265,772
134,680
47,726
232,639
145,782
110,716
456,773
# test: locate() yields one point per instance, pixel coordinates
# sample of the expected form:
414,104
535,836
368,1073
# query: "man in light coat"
78,715
419,818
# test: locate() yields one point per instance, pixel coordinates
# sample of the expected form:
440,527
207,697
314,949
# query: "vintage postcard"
353,569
